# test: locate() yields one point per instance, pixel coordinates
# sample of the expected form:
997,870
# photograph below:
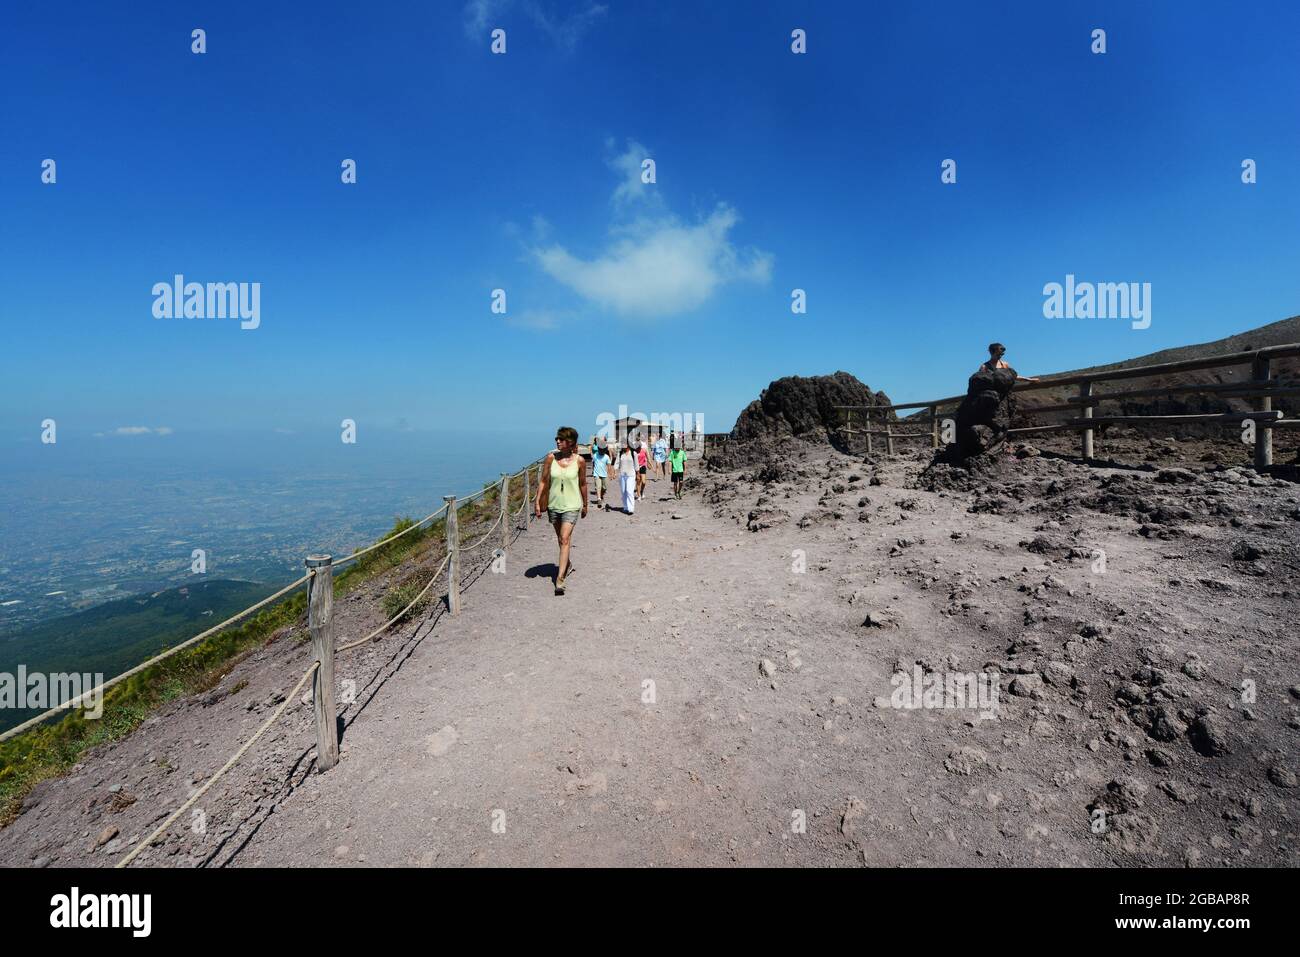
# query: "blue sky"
476,171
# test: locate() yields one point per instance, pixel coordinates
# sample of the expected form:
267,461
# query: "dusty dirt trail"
537,713
703,689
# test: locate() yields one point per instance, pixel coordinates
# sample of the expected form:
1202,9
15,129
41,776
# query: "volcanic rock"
803,407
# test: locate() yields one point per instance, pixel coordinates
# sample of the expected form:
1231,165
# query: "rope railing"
321,626
392,538
90,695
392,621
470,548
100,689
193,799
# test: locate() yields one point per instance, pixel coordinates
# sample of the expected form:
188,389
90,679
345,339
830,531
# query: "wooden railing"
1261,386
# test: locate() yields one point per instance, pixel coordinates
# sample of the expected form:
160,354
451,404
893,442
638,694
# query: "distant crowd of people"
562,491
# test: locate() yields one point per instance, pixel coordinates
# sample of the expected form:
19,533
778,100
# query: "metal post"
320,621
453,550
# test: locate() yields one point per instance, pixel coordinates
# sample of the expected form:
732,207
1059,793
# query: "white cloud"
630,189
659,267
564,30
478,15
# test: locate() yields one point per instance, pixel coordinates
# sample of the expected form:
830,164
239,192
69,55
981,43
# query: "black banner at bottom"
358,906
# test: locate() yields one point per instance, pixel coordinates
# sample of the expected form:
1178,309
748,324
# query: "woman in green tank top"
563,491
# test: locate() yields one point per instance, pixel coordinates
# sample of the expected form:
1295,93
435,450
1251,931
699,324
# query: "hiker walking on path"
642,463
660,450
563,489
600,472
627,476
677,459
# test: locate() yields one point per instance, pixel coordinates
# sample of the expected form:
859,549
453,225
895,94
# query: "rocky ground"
717,686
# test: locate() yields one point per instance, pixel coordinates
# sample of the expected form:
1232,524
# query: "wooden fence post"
848,429
528,495
1085,393
1260,370
889,435
934,426
453,550
320,621
867,414
505,511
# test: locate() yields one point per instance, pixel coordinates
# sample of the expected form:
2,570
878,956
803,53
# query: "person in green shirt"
677,460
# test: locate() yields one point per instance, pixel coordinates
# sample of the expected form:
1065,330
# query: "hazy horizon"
111,517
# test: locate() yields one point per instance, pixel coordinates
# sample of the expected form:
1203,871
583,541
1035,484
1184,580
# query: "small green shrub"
402,595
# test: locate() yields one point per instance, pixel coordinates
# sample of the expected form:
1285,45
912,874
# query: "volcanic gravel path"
710,695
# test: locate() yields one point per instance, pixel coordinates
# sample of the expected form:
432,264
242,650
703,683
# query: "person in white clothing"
627,473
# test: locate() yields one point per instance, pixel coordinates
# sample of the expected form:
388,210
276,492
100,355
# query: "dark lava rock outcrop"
792,413
803,408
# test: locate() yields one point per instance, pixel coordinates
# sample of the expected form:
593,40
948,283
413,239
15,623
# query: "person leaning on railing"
996,351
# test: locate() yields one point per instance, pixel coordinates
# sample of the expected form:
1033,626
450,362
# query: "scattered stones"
1027,686
1042,728
1160,722
1246,551
1208,736
1161,758
1058,674
1179,791
1176,476
1125,793
1282,776
965,760
760,519
880,619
